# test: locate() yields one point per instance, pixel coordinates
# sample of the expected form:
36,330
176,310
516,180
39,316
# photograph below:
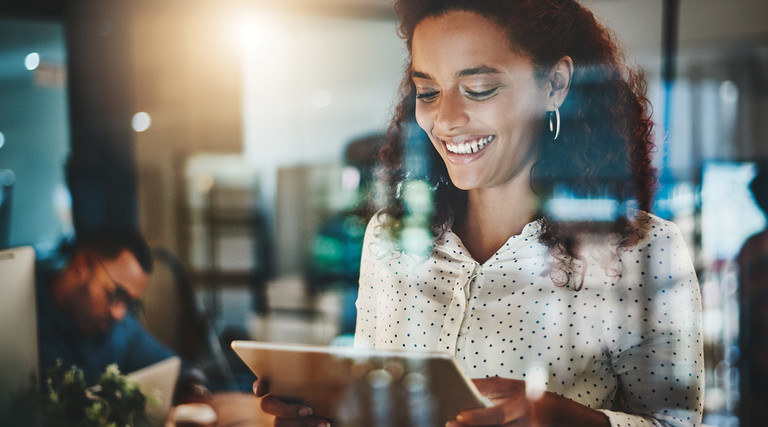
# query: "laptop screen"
18,317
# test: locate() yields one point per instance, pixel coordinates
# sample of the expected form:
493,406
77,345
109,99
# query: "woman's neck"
494,215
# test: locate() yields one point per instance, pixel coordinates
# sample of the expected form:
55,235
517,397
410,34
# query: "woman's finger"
281,409
486,416
499,388
260,388
507,410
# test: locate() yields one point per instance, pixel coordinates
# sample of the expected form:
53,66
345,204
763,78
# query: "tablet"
360,387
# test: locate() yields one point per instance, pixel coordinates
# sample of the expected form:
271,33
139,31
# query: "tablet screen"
360,387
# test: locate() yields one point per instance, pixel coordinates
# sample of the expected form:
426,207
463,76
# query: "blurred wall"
34,130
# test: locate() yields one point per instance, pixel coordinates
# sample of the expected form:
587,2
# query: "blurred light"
62,203
395,369
714,399
247,33
729,93
32,61
415,382
141,121
379,378
2,140
350,178
7,177
361,369
536,380
416,240
712,324
258,35
320,98
418,197
571,208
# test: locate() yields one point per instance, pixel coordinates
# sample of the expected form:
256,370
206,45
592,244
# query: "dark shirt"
127,344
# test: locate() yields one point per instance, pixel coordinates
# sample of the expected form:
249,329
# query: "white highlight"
536,380
141,121
32,61
350,178
729,92
379,378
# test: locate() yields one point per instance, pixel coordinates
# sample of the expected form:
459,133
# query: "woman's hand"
511,406
286,414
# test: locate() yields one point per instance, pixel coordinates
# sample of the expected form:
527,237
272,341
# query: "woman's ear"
560,80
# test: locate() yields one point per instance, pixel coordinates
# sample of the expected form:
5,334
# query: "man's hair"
109,242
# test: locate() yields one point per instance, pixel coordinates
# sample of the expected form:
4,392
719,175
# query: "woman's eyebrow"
483,69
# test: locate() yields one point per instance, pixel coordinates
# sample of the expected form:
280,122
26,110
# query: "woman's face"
477,99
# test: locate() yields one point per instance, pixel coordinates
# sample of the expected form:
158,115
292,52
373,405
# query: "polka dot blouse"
627,343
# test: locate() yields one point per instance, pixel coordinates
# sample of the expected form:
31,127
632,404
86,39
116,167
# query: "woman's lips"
469,146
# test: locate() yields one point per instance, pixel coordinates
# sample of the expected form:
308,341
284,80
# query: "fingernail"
255,388
305,411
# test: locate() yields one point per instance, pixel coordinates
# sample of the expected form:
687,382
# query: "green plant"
115,401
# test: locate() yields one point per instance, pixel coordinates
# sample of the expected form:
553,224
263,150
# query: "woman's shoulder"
651,229
378,241
377,226
662,244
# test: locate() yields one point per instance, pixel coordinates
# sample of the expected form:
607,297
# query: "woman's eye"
480,95
426,96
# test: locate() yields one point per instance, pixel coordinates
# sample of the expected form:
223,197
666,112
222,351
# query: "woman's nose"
451,112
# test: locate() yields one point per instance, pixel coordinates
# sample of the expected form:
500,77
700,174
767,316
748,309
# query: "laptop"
158,382
18,317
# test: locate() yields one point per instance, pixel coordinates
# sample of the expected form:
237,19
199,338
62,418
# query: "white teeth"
469,147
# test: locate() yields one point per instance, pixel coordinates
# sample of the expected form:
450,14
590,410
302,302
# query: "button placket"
456,313
474,285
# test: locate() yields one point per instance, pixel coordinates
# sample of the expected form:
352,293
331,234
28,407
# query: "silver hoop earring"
554,125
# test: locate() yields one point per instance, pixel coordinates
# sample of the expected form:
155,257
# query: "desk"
232,409
240,409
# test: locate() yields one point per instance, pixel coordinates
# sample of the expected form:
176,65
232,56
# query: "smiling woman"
593,323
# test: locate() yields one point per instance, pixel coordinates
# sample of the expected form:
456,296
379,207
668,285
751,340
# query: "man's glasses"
118,295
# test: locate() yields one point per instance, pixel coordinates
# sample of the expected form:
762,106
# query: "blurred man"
86,310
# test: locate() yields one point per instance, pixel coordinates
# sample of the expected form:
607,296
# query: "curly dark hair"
604,149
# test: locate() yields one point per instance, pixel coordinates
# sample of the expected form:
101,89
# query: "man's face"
109,288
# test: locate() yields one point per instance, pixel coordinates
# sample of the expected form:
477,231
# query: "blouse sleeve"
656,347
365,327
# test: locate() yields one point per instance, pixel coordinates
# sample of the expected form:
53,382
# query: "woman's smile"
469,145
